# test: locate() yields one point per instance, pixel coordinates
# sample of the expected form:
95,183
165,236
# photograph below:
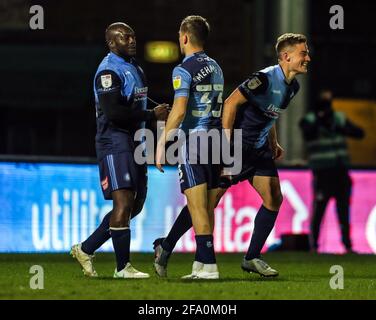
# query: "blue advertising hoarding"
49,207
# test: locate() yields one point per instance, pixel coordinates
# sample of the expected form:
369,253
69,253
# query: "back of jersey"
200,79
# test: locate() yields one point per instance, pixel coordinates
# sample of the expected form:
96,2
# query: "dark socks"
205,249
98,237
264,224
121,240
181,225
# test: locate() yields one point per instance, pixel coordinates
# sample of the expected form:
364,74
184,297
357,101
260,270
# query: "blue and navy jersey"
115,73
200,79
268,95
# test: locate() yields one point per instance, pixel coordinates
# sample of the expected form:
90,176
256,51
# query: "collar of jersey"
191,55
282,76
121,59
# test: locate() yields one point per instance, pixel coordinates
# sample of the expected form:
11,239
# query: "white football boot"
130,273
259,266
196,267
85,260
203,271
208,271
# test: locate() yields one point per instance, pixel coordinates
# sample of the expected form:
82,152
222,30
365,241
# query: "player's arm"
174,120
176,117
181,82
255,85
118,109
277,150
230,108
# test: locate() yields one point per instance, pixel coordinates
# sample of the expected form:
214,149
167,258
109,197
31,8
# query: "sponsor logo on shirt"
273,112
140,93
141,90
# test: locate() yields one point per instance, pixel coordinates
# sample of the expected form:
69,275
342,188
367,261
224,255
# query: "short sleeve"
181,81
255,85
107,81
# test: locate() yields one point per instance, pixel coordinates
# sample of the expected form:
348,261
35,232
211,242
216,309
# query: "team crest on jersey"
106,81
176,82
254,83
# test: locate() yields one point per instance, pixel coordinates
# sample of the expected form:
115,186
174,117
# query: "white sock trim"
118,229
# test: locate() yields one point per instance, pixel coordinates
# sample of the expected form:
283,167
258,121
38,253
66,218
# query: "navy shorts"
120,171
256,162
203,169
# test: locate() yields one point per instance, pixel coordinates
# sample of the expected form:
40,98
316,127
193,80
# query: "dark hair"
197,27
288,39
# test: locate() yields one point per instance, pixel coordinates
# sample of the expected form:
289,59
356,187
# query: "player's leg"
208,269
214,196
342,196
124,178
98,237
119,225
163,247
270,192
200,269
142,183
121,233
197,201
84,252
183,223
268,187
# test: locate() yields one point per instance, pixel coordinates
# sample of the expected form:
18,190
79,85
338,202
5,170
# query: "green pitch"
302,276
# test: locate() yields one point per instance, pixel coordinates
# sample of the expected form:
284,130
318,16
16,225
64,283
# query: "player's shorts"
120,171
203,169
256,162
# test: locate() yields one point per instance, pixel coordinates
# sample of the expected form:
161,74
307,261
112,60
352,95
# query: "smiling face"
293,54
297,57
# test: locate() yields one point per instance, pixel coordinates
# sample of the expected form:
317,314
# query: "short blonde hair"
287,40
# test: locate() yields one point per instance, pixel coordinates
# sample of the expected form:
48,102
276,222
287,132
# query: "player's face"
126,42
299,58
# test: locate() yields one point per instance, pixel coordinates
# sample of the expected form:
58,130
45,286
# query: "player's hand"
162,111
159,157
278,151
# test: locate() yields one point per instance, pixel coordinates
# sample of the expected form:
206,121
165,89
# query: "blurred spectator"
325,132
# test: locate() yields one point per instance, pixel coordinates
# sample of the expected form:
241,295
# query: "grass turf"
302,276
